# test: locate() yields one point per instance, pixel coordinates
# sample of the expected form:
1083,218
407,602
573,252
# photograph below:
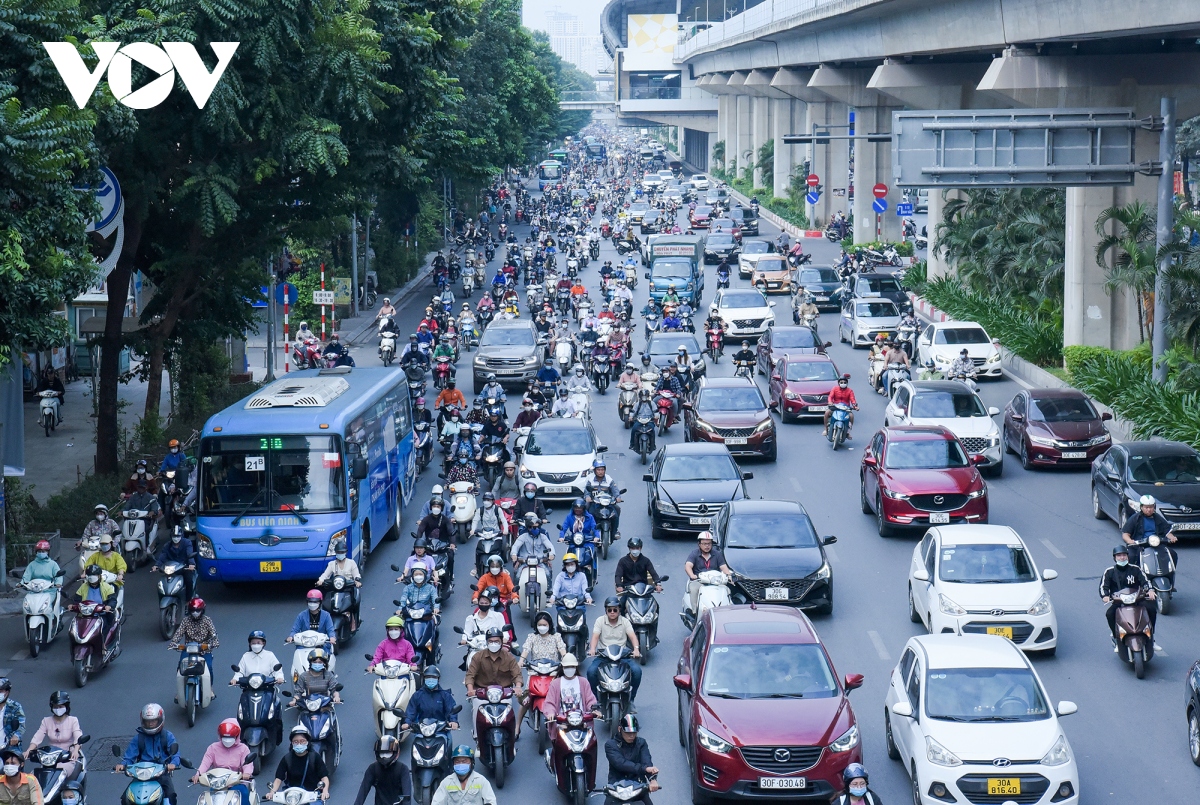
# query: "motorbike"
468,283
583,308
616,682
572,625
594,249
305,642
604,509
421,630
532,584
92,646
145,788
839,424
627,403
722,279
316,713
1135,637
220,783
490,542
430,757
422,444
744,369
584,547
260,714
462,509
643,435
496,725
306,353
572,756
967,380
139,535
387,347
340,601
43,610
443,370
50,777
601,371
714,592
716,343
193,680
172,598
1158,564
414,373
494,456
626,790
395,683
48,410
641,607
625,247
666,413
534,297
796,260
541,674
896,373
907,336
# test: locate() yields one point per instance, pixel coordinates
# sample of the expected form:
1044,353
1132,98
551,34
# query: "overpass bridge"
586,101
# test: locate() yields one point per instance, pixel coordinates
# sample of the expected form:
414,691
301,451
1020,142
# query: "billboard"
652,39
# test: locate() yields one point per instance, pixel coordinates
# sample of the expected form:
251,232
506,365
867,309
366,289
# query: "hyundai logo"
777,584
269,540
1001,762
782,755
939,499
996,613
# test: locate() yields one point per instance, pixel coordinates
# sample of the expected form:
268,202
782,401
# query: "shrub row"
1035,337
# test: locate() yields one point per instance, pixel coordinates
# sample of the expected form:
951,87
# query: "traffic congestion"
632,495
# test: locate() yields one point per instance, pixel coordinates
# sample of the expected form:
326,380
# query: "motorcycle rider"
444,350
704,557
140,479
394,646
335,349
317,679
893,355
465,786
805,306
466,443
714,320
419,595
929,371
61,730
568,692
499,583
530,414
855,779
315,618
15,785
437,526
578,383
496,429
153,744
841,393
548,374
564,406
386,309
144,497
42,567
258,660
644,408
173,459
100,525
533,541
493,389
876,360
227,752
745,354
614,629
182,550
600,482
629,757
493,667
1146,523
299,769
1120,575
634,567
94,588
671,297
12,715
962,365
463,470
670,320
486,615
430,700
630,375
196,628
449,397
342,565
570,582
670,381
489,517
387,775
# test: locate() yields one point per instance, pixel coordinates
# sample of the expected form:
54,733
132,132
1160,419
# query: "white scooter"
219,783
305,642
468,283
43,612
714,592
139,535
48,410
462,509
297,796
395,684
583,403
387,347
564,353
193,681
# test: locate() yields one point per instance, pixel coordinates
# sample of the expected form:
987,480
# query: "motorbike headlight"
1059,754
712,743
940,755
204,547
823,572
293,797
666,506
894,495
313,705
428,730
336,536
256,682
494,695
339,583
847,741
574,718
948,607
1041,606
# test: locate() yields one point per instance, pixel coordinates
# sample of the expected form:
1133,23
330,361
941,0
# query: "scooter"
316,713
139,535
43,609
462,509
422,444
532,585
496,726
584,547
1159,566
494,456
716,343
220,783
839,424
468,283
896,373
490,542
92,646
572,756
297,796
641,607
744,369
601,371
50,777
605,512
714,592
542,674
1136,639
626,790
48,410
146,788
306,353
193,680
564,354
442,372
627,403
422,632
394,685
430,757
260,714
341,603
666,413
387,347
906,334
643,435
305,642
572,625
616,682
171,598
415,374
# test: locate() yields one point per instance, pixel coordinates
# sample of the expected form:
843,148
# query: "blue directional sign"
904,208
261,299
879,205
812,196
289,289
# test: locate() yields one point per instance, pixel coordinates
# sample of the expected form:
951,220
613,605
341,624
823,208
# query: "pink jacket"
389,649
552,702
233,758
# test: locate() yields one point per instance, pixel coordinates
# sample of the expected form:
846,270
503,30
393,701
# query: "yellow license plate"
1004,787
270,567
1003,631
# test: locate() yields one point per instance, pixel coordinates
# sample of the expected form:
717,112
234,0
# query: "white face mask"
101,517
543,628
11,769
493,647
495,571
174,450
228,741
256,648
569,672
313,606
59,711
394,634
341,557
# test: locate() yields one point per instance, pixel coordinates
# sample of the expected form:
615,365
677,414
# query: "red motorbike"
541,674
507,505
666,413
496,726
572,757
442,372
306,354
716,343
92,646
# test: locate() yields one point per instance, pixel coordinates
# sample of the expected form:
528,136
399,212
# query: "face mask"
462,769
101,517
543,628
341,557
437,510
43,555
529,495
493,647
317,667
857,791
431,684
635,553
176,539
300,749
1122,562
141,472
495,571
569,672
59,711
569,569
228,742
174,450
256,648
11,769
313,606
196,615
70,801
418,580
394,634
106,547
484,605
386,760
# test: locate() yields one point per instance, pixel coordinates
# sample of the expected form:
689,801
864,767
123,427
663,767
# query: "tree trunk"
154,359
159,335
111,344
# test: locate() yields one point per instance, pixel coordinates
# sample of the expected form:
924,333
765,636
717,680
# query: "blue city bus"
315,455
549,173
596,151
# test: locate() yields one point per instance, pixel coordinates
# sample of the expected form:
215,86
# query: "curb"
400,296
792,230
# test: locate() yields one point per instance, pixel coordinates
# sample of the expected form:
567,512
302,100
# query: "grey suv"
509,349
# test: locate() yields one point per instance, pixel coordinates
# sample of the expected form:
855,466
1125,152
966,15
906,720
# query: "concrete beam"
793,83
847,84
933,86
716,83
758,83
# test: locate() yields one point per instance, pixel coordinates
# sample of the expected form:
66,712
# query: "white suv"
953,405
558,457
699,182
942,342
746,312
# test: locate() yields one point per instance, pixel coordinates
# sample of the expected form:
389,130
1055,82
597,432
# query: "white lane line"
1159,650
1054,550
880,648
23,654
796,484
831,554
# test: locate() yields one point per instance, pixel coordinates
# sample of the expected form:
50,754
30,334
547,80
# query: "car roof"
1157,448
949,386
916,433
805,357
978,534
875,275
560,423
968,651
763,624
1053,394
696,449
958,325
728,383
506,323
766,507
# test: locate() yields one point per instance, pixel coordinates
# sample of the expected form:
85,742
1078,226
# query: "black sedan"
1169,471
1192,711
688,484
823,285
775,552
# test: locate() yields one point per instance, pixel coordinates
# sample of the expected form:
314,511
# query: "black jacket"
184,553
1118,578
303,772
630,571
1135,526
526,506
392,784
627,761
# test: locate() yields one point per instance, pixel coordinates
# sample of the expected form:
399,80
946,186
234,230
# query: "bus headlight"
339,535
204,547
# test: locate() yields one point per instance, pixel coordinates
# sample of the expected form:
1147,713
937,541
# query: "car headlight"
848,741
824,572
480,360
978,493
527,473
939,754
764,426
894,495
770,321
1041,440
666,506
712,743
994,440
995,358
1133,503
1059,754
1041,606
1103,438
948,607
791,395
533,360
704,426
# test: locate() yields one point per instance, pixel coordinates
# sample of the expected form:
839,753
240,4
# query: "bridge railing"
585,96
697,37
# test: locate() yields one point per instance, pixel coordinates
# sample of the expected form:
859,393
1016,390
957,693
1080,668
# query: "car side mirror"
1066,708
828,344
1105,417
682,681
1113,477
602,448
1018,417
993,411
902,709
921,574
869,461
978,458
854,681
775,376
647,275
770,304
1049,575
648,478
747,476
828,540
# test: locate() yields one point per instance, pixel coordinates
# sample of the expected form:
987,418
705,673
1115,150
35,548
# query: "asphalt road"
1120,718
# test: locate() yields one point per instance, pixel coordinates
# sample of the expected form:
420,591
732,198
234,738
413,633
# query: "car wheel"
1194,736
913,615
880,521
1026,464
1004,439
774,454
657,533
863,503
888,740
916,787
1097,509
994,471
841,334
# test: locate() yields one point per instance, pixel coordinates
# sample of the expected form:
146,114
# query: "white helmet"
1147,500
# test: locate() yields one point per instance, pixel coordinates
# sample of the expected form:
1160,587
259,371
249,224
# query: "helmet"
495,632
570,661
853,772
634,543
703,535
432,672
100,507
578,504
488,496
152,717
492,592
257,634
491,378
229,728
571,558
299,729
42,545
493,561
387,745
1146,500
92,570
196,605
339,545
420,402
629,723
1122,548
318,654
598,464
612,601
173,443
395,620
420,542
531,520
60,698
315,595
462,750
531,487
141,464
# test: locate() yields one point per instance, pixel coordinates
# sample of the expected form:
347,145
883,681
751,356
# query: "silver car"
508,349
864,319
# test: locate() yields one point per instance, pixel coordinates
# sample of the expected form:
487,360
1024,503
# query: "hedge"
1036,338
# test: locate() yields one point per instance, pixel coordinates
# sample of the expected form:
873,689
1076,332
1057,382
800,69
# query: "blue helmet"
578,504
598,463
854,771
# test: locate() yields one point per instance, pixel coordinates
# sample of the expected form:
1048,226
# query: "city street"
865,634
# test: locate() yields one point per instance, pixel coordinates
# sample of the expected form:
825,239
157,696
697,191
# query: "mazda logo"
1001,762
996,613
939,499
269,540
782,755
702,508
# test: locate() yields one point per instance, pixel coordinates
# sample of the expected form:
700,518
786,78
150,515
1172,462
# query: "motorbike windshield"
811,371
926,454
1179,469
699,468
946,405
985,564
984,694
271,473
560,443
507,337
763,671
771,531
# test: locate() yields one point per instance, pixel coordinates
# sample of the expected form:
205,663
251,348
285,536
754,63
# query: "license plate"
1004,786
821,298
778,783
699,520
1003,631
558,490
818,408
939,518
776,594
1075,454
270,567
886,335
1186,527
735,441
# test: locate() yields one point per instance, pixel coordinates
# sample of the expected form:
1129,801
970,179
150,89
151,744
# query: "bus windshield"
258,474
549,170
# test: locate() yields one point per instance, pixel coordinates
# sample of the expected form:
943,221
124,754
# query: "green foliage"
68,511
916,276
718,154
1036,336
766,163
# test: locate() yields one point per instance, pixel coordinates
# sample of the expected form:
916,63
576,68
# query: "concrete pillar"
787,117
760,132
830,162
725,114
1087,305
872,165
742,142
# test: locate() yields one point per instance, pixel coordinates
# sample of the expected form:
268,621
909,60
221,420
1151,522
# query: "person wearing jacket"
153,743
387,775
315,618
629,758
569,692
100,524
393,646
493,667
431,700
464,786
228,753
182,550
855,778
61,730
507,485
16,787
419,594
1119,576
42,567
528,504
488,517
579,513
1148,522
258,660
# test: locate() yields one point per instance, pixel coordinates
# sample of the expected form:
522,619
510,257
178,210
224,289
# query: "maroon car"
785,339
1054,428
800,385
731,411
920,476
698,218
762,713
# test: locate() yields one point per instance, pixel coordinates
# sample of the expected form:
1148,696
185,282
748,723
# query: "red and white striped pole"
322,304
286,353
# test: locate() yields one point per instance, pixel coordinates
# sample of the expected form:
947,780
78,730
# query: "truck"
676,260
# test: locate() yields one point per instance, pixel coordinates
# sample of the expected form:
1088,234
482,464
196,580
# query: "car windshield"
271,474
876,310
961,335
925,454
720,239
755,247
881,284
945,405
766,671
723,223
985,564
669,343
699,468
811,371
670,269
705,211
984,694
1062,409
771,531
818,275
768,264
507,337
559,442
713,400
800,338
1178,469
640,206
745,299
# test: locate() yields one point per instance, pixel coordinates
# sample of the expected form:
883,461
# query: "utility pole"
354,265
3,517
1166,224
271,325
367,254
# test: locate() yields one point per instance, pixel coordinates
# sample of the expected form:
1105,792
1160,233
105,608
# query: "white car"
699,182
746,312
959,409
651,182
942,342
558,457
752,251
970,720
863,319
981,579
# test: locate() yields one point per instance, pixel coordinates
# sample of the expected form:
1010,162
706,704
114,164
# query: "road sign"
904,208
323,297
286,288
261,299
813,180
879,205
880,190
812,197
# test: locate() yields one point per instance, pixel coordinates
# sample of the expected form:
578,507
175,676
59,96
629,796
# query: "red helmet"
196,605
229,729
316,595
42,545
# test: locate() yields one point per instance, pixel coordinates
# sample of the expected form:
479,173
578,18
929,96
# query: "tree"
766,163
1129,257
718,155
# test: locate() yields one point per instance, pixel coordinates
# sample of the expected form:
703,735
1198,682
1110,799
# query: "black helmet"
432,672
578,504
60,698
420,542
634,542
612,602
387,746
494,632
629,723
1119,549
853,772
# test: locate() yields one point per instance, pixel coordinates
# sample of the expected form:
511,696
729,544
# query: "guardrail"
760,16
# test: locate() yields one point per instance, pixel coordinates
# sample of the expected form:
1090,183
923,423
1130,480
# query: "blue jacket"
424,703
589,524
301,624
184,552
565,585
14,720
151,748
171,461
422,597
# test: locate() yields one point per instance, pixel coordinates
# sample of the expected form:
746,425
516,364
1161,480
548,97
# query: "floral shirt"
196,630
543,647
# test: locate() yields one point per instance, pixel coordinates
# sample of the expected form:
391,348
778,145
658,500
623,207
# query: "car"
687,485
942,342
1054,428
772,274
787,339
731,411
652,222
673,194
877,286
970,721
958,408
981,579
699,182
698,217
726,225
745,219
719,246
1170,471
752,252
775,553
667,175
651,182
822,284
509,349
1192,710
863,319
717,197
558,457
663,347
637,210
800,385
746,313
762,712
922,202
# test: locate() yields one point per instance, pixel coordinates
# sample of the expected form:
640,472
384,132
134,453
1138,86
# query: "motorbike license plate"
1004,786
1075,454
1003,631
780,783
941,518
818,408
699,520
558,490
776,594
735,441
270,567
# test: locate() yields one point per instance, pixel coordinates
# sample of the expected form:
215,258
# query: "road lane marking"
880,648
831,553
796,484
23,654
1051,547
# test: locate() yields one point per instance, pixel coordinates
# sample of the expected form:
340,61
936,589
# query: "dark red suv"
762,712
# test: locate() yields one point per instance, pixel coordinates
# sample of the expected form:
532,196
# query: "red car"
800,385
762,713
921,476
1055,428
698,218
